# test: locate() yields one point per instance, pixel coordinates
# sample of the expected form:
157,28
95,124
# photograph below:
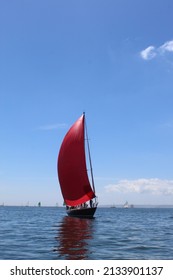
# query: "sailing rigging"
72,172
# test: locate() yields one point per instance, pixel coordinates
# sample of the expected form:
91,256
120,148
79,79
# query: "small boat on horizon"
78,193
113,206
126,205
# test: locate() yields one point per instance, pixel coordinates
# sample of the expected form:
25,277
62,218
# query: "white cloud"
52,126
151,186
167,47
148,53
151,51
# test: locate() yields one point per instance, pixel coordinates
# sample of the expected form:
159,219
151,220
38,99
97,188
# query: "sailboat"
78,193
126,205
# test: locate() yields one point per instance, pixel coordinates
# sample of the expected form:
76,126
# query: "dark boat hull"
82,212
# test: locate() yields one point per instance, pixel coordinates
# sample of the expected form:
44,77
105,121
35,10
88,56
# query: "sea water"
46,233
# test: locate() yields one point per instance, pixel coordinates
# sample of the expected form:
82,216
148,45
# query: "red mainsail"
72,170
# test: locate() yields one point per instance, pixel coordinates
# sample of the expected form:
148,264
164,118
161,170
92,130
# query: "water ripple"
47,233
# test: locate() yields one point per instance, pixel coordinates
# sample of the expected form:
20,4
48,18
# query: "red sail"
72,170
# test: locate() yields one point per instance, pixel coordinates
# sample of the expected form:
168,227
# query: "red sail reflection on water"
73,235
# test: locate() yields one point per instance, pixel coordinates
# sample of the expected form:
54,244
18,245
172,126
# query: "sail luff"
89,156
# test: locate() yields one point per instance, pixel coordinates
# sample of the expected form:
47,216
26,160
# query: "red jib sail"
72,170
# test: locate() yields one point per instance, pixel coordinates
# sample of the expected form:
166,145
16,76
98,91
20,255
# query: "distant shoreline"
139,206
100,206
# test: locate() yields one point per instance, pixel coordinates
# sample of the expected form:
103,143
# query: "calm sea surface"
47,233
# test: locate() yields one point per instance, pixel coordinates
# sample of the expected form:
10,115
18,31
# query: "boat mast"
89,155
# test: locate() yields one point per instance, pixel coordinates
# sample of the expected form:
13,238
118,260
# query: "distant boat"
39,204
77,191
126,205
113,206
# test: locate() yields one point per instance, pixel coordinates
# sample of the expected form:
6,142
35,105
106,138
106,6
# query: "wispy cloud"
151,186
167,47
52,126
151,51
148,53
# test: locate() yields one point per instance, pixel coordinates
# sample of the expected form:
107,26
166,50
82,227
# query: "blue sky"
112,59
